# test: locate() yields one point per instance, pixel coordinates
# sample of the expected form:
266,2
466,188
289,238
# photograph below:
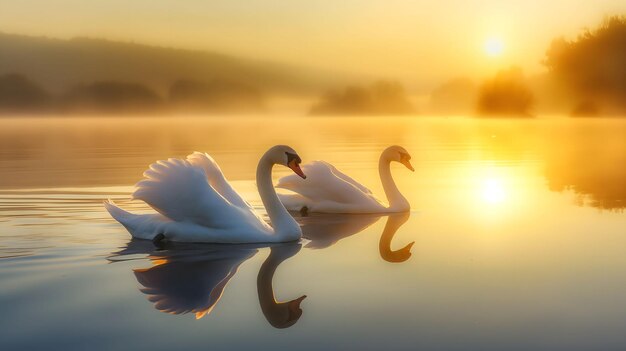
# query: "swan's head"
286,156
399,154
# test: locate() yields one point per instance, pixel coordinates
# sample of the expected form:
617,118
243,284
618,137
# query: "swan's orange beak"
407,163
295,167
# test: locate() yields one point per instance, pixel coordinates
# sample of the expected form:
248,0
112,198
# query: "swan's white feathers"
324,182
195,203
345,177
180,191
217,179
142,226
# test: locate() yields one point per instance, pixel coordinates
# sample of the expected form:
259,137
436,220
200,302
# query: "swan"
195,203
329,190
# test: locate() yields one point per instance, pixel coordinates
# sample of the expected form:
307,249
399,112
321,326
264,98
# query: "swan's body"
329,190
195,203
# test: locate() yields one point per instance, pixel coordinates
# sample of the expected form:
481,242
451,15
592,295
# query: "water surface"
516,241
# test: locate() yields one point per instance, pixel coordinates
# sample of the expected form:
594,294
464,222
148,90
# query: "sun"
494,47
493,191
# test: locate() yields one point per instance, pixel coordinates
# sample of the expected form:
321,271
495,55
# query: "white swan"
195,203
329,190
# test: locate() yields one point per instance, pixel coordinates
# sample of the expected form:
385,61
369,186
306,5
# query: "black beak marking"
291,157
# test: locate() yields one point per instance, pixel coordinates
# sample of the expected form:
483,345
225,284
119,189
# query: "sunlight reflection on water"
517,226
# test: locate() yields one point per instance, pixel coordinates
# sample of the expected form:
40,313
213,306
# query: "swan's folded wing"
180,191
216,178
324,182
347,178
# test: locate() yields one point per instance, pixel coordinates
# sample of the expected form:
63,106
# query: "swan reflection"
325,230
394,222
278,314
189,278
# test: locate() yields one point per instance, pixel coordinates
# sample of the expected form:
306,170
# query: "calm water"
518,226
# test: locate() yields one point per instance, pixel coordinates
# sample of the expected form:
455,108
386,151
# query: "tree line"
19,94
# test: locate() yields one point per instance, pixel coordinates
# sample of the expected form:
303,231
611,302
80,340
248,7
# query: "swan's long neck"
285,227
397,202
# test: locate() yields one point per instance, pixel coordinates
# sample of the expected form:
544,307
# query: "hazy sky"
409,40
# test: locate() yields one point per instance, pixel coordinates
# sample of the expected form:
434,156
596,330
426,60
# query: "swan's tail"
142,226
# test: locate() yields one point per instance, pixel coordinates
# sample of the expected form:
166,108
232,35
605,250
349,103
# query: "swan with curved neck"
329,190
195,203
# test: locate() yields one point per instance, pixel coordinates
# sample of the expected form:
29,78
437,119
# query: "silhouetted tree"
215,95
111,97
382,97
505,94
593,66
19,94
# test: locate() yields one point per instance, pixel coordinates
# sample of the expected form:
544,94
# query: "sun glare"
494,47
493,191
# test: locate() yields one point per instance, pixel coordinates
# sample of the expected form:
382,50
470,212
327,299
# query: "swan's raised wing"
180,191
218,181
216,178
324,182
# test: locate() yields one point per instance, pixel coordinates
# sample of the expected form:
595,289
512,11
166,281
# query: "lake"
518,226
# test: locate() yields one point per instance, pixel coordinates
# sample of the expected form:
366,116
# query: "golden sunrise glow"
493,191
387,40
494,47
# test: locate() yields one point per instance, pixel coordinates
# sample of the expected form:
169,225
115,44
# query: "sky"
395,39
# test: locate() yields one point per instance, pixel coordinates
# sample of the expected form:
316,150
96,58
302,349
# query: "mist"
584,76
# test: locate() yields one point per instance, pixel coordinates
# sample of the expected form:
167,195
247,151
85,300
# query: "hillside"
58,65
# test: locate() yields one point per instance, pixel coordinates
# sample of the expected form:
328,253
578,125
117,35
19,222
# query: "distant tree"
215,95
19,94
505,95
111,96
585,108
456,96
593,66
382,97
